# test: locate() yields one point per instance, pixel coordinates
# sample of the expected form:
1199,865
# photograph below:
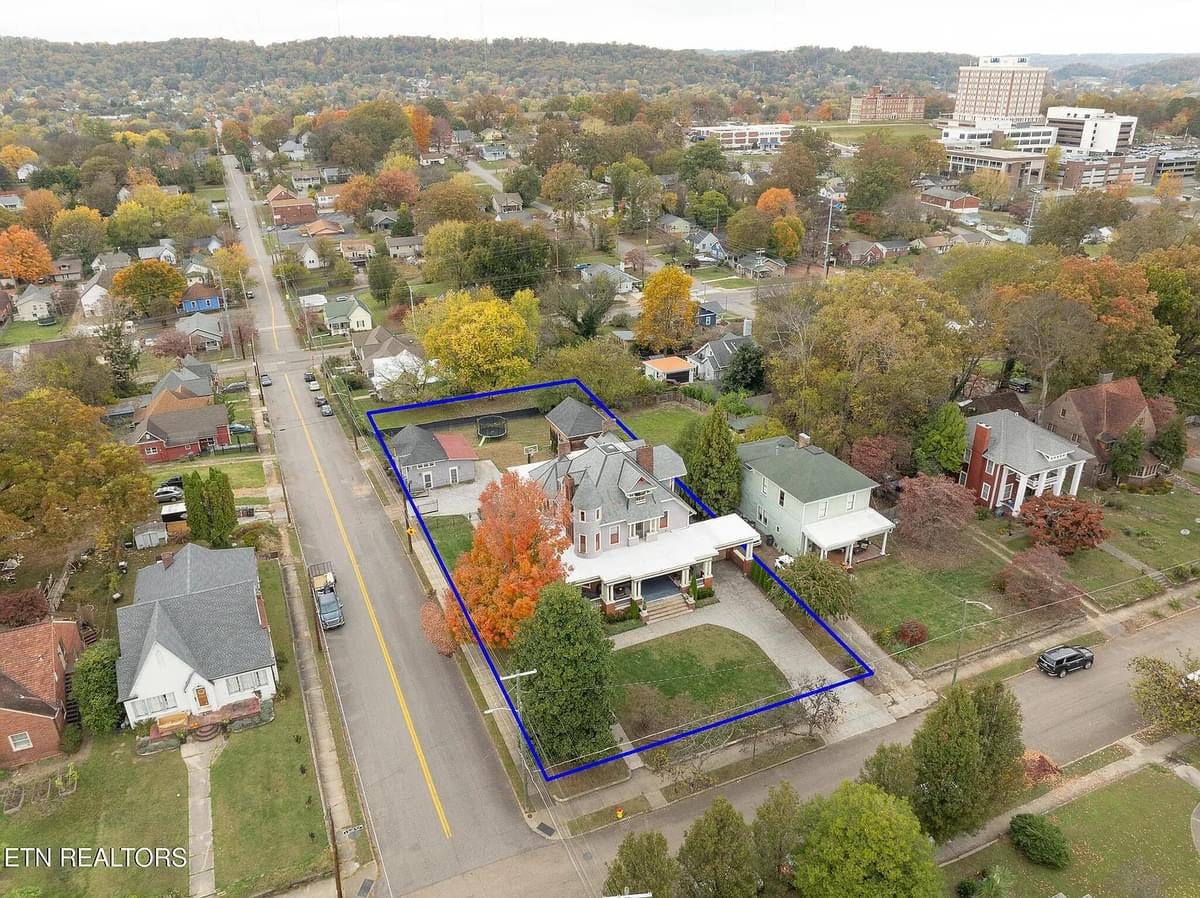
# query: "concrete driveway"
743,608
464,498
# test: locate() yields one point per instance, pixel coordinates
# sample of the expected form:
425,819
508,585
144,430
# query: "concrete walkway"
1121,555
199,757
744,609
1141,756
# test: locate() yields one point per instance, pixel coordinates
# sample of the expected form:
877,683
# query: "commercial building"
1099,172
1091,130
1026,137
735,136
1021,169
1000,87
1177,162
876,106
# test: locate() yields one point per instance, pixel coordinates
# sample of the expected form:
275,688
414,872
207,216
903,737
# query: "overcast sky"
1108,26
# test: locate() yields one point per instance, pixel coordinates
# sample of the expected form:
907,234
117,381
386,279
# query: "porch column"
883,548
998,487
823,554
1019,497
850,555
707,567
1041,483
1075,479
1058,483
685,576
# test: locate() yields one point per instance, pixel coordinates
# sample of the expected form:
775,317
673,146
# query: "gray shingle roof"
200,322
722,350
1022,445
187,378
178,428
414,445
203,609
573,418
807,472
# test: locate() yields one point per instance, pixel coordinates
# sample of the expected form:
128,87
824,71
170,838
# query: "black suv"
1062,659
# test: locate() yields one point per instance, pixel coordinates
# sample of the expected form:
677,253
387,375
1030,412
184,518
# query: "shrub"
886,637
967,888
704,592
95,686
1040,840
71,739
22,607
699,393
912,633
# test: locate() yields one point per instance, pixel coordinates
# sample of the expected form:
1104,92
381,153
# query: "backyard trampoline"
491,427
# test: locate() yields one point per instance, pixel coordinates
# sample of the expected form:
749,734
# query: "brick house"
293,211
860,252
35,665
1095,417
950,200
1009,458
176,426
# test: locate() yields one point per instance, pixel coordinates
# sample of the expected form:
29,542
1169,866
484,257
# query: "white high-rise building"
1088,130
1005,87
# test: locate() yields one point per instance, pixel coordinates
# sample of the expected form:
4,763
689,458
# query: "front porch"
850,539
185,722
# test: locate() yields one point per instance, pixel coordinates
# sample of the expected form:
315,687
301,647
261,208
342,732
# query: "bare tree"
1047,330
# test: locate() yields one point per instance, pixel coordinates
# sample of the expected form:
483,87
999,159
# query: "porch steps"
665,609
206,733
71,709
89,634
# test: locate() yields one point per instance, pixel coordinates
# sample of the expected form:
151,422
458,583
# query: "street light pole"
516,678
962,626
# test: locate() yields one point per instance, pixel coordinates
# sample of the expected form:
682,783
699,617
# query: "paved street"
437,796
1064,718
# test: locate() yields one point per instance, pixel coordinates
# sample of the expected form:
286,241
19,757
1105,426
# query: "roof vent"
814,450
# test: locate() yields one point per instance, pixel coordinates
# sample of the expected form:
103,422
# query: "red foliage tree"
1037,577
912,633
22,607
516,550
436,630
172,344
1064,522
397,186
934,514
875,457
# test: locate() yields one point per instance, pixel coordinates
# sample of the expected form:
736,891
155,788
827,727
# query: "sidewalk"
1140,756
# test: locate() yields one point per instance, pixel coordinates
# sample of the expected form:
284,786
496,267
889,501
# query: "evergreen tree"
381,274
950,795
218,495
714,470
1171,444
643,864
398,292
943,442
861,842
94,687
566,703
716,859
199,520
999,741
1127,451
404,222
122,358
746,369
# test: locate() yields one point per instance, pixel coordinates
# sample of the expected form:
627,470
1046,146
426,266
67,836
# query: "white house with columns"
1009,458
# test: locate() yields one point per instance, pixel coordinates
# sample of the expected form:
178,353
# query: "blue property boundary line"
868,671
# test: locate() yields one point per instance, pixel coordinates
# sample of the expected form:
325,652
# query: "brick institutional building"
876,106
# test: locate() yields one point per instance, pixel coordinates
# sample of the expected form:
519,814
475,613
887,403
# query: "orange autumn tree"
516,550
776,201
22,255
421,123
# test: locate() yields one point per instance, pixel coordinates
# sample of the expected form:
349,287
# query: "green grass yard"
452,535
1128,839
707,663
265,777
243,473
1148,527
661,424
121,801
18,333
1109,582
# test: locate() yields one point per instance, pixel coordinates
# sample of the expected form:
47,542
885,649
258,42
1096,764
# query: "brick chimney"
168,559
803,439
645,458
983,435
568,493
1105,377
978,464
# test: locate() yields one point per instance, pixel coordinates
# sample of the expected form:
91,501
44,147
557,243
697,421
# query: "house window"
764,486
154,704
989,467
20,741
985,491
850,502
582,544
823,508
150,450
1062,412
962,478
597,540
781,498
1075,438
583,516
614,536
247,681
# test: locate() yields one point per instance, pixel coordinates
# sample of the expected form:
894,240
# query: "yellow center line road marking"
387,657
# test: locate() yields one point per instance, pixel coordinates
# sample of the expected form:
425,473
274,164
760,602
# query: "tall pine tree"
950,795
999,741
714,471
194,497
222,513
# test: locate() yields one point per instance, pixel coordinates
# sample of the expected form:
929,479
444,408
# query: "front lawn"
899,588
122,801
245,473
452,534
1128,839
661,424
711,665
17,333
1109,582
264,781
1148,527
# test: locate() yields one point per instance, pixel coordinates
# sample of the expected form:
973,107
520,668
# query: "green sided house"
802,499
346,315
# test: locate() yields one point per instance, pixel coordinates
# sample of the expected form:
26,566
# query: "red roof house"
34,664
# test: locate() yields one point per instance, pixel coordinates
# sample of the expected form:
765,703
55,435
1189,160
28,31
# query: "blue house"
707,314
200,298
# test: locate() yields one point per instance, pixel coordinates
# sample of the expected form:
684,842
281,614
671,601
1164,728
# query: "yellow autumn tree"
23,256
480,341
14,155
776,201
668,311
398,162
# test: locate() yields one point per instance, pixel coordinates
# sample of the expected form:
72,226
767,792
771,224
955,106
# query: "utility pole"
962,626
516,679
828,236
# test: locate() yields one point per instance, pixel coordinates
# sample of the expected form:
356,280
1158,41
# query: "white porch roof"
665,554
847,529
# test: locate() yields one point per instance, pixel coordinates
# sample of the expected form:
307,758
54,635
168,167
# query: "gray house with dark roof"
712,359
196,640
572,423
429,460
803,499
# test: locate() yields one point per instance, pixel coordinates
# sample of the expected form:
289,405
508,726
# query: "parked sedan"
238,427
309,377
265,380
166,494
327,410
320,399
177,480
313,386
